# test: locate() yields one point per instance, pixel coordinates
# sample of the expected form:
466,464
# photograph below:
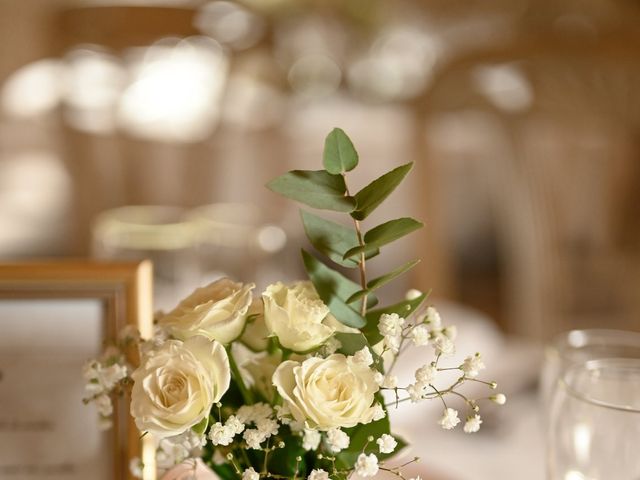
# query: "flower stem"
247,395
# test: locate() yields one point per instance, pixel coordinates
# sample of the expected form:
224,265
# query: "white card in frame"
54,316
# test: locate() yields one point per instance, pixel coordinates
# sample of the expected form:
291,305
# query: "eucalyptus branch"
362,263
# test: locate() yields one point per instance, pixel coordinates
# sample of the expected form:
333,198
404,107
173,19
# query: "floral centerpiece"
311,398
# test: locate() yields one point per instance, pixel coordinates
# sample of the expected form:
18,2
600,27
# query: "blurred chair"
544,132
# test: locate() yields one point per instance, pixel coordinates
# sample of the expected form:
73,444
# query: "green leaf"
332,239
404,309
317,189
351,342
339,153
282,461
333,288
358,295
384,234
368,199
376,283
201,427
358,436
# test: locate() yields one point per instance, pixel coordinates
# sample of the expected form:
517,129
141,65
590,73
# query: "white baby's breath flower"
472,424
283,414
253,438
254,413
451,332
191,441
113,374
102,378
444,346
390,324
311,439
337,440
104,405
392,343
472,365
426,374
379,412
500,399
135,467
267,427
386,443
170,453
386,381
296,426
318,474
366,465
416,391
363,356
420,335
250,474
449,419
418,477
129,333
432,318
235,424
221,434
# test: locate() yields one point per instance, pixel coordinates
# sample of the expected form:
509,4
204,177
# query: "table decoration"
311,399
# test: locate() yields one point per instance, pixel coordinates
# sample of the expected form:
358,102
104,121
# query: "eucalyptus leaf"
339,153
385,234
332,239
368,199
318,189
333,288
403,309
351,342
376,283
357,296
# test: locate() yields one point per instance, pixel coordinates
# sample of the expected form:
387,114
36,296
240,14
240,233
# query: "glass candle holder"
594,429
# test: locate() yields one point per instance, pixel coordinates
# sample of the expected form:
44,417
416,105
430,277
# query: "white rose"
296,315
218,311
334,392
175,386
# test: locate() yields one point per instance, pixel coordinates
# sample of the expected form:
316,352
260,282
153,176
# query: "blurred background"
136,129
522,117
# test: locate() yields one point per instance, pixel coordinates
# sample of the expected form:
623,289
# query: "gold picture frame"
125,292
